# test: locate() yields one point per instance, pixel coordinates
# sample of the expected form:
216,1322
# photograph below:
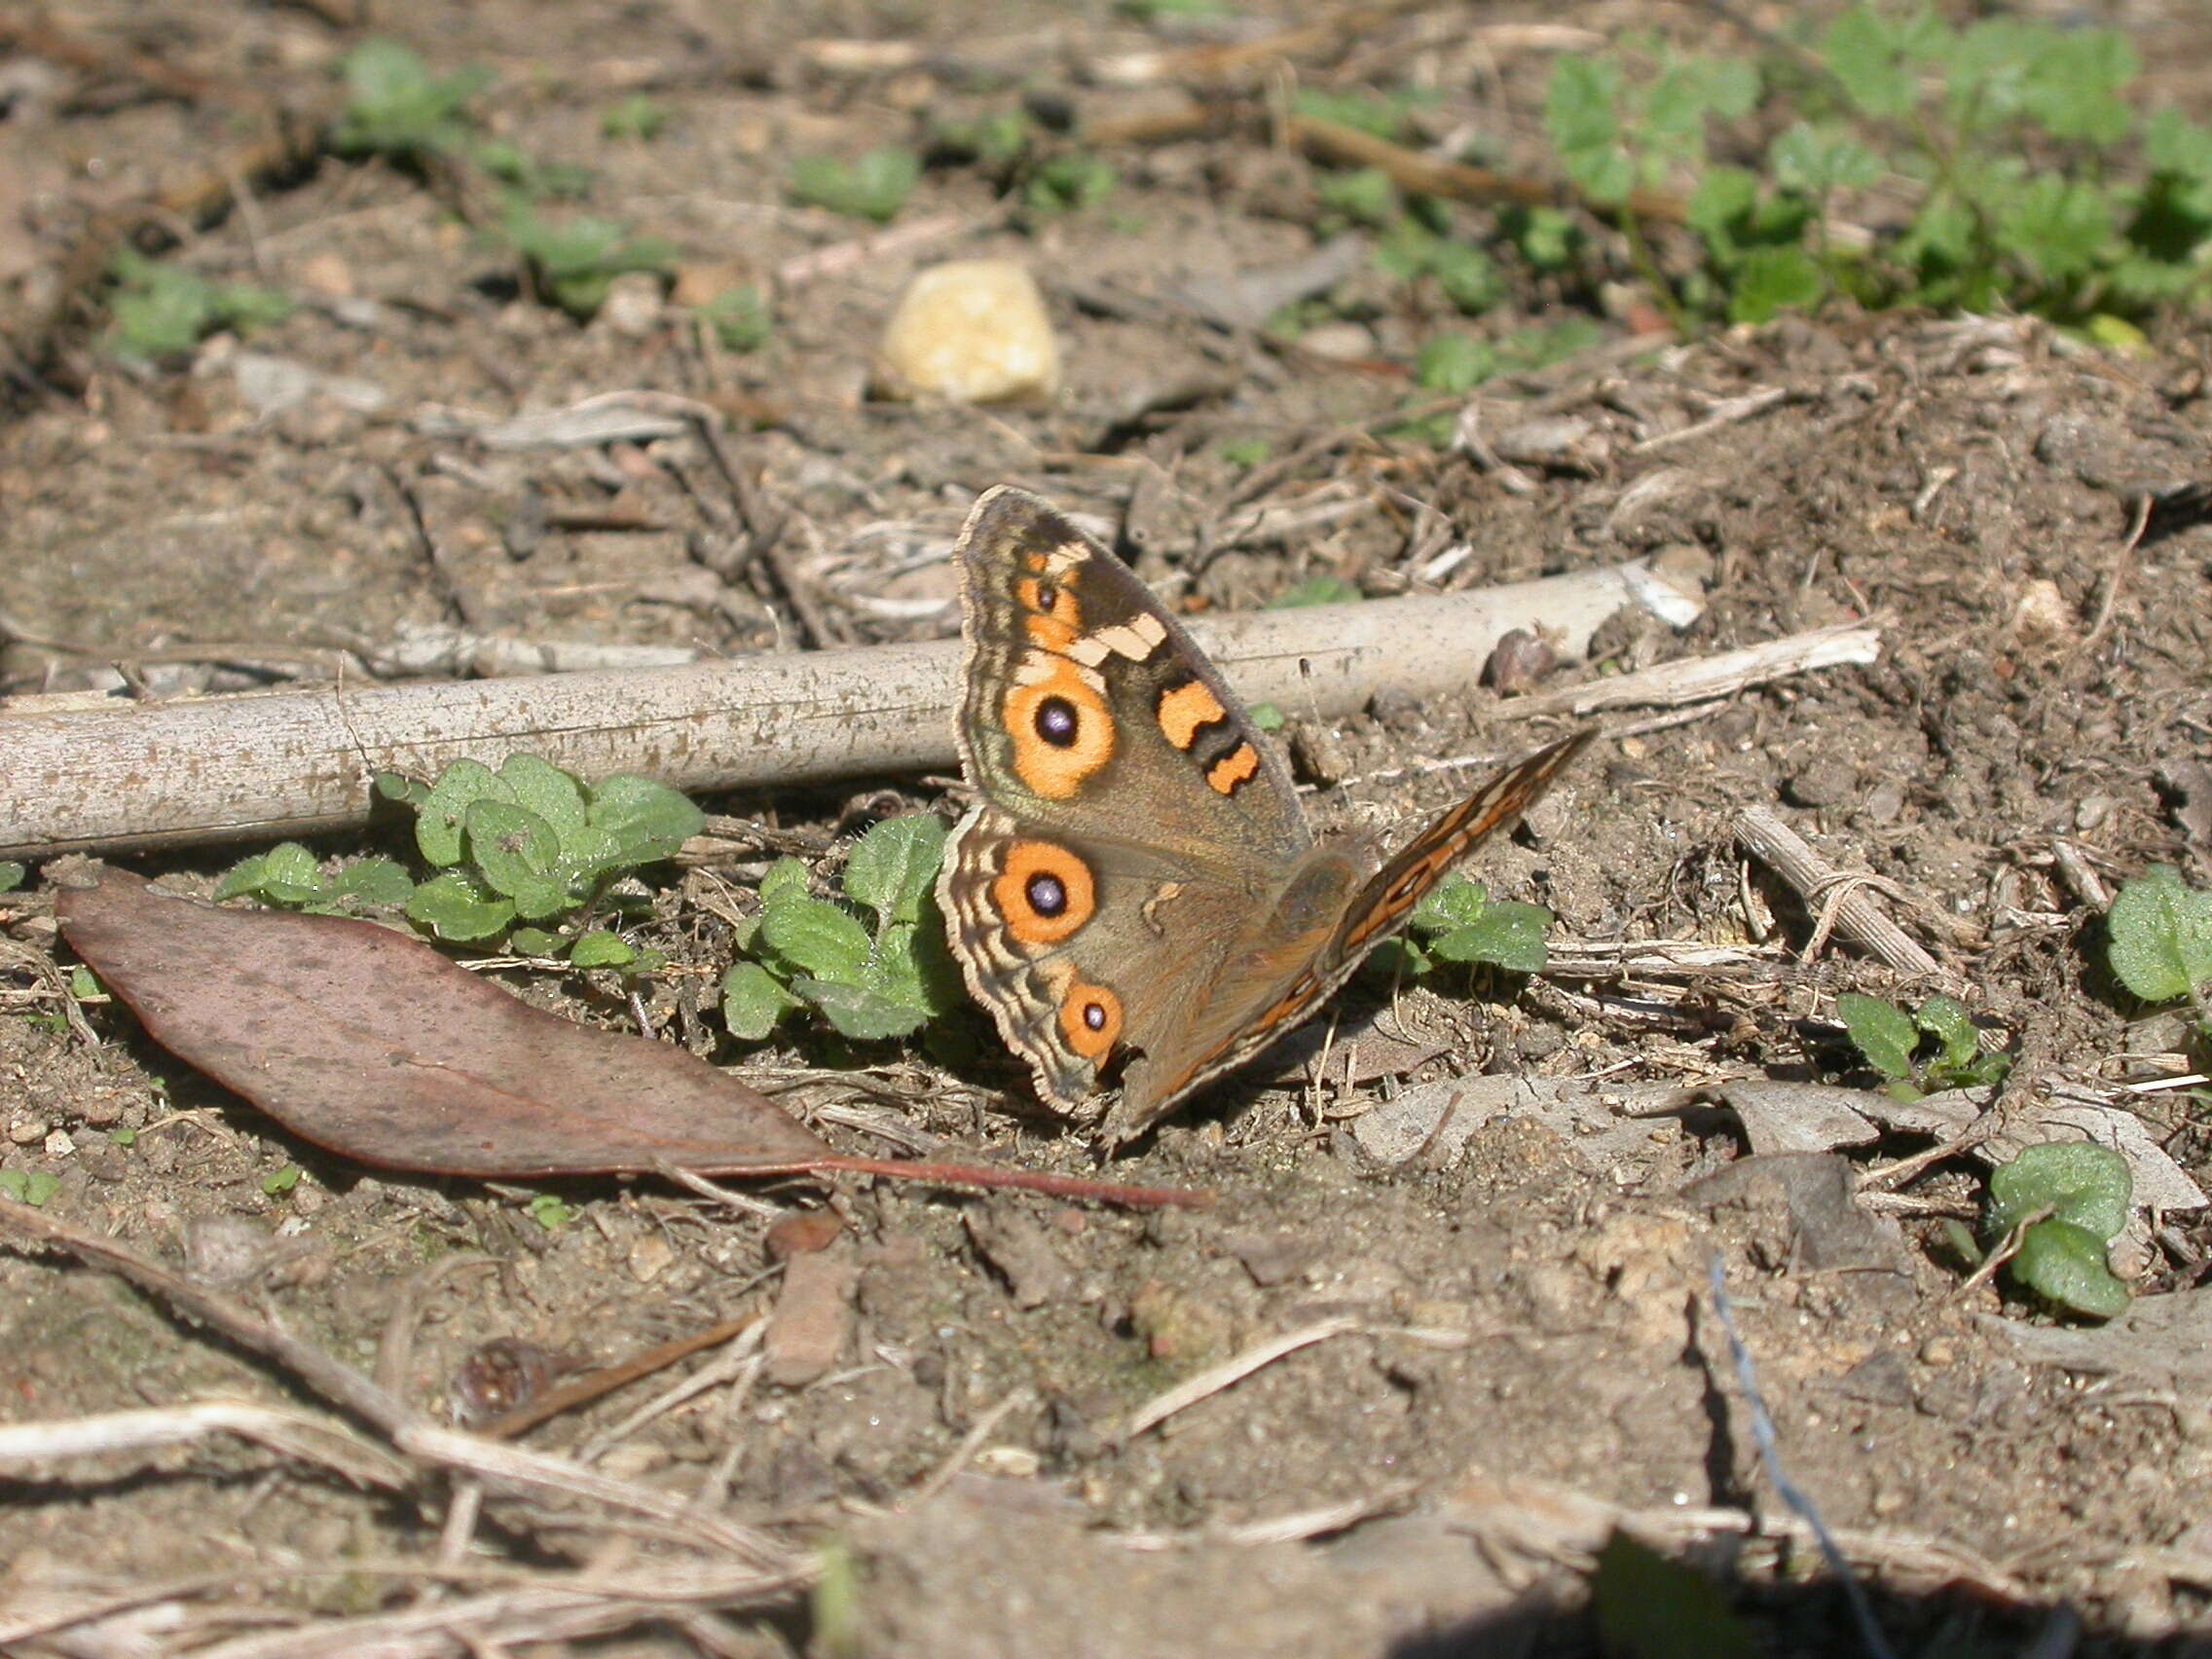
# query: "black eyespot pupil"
1047,896
1093,1016
1048,597
1056,721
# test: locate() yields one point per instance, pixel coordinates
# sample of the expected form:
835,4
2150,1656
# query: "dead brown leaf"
371,1044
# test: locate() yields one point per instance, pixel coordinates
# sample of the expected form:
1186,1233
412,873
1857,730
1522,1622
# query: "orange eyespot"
1043,893
1091,1020
1060,730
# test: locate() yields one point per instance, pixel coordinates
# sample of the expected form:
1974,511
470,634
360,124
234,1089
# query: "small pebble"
633,307
969,331
1519,662
807,1231
651,1256
24,1131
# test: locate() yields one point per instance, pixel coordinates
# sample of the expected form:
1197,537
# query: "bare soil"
1527,1347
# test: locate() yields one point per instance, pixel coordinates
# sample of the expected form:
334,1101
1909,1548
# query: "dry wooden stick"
82,774
1784,851
1701,680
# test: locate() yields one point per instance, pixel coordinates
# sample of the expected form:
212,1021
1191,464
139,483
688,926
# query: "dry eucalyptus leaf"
371,1044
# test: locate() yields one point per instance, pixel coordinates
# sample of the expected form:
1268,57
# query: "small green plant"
1364,196
2035,182
634,117
994,142
1463,272
575,262
1891,1040
2158,940
2072,1199
396,108
1380,114
33,1187
873,963
1175,11
124,1138
161,310
550,1211
1458,921
529,178
740,318
1323,589
13,874
1245,452
870,186
290,876
278,1182
1064,183
1454,363
519,852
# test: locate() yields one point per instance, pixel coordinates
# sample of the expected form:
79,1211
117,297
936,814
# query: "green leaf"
533,941
2081,1181
1062,184
550,1211
394,106
872,186
817,937
1365,196
1453,902
2066,1264
439,821
1469,277
1580,107
1378,115
33,1187
1883,1032
740,318
85,984
1863,53
1506,936
648,821
282,1181
1266,717
893,867
1546,236
1948,1022
244,878
399,787
554,794
861,1012
1775,279
1323,589
634,117
2058,227
1454,362
753,1000
375,881
451,907
1651,1607
598,949
1816,160
124,1138
515,850
2160,936
787,877
11,875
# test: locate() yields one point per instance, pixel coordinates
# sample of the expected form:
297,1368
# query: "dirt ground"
1510,1346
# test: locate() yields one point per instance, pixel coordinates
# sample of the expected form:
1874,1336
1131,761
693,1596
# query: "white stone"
969,331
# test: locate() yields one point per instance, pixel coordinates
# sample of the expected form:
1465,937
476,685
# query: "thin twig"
1784,851
1230,1372
582,1390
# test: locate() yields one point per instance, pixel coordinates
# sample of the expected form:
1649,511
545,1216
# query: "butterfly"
1136,877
